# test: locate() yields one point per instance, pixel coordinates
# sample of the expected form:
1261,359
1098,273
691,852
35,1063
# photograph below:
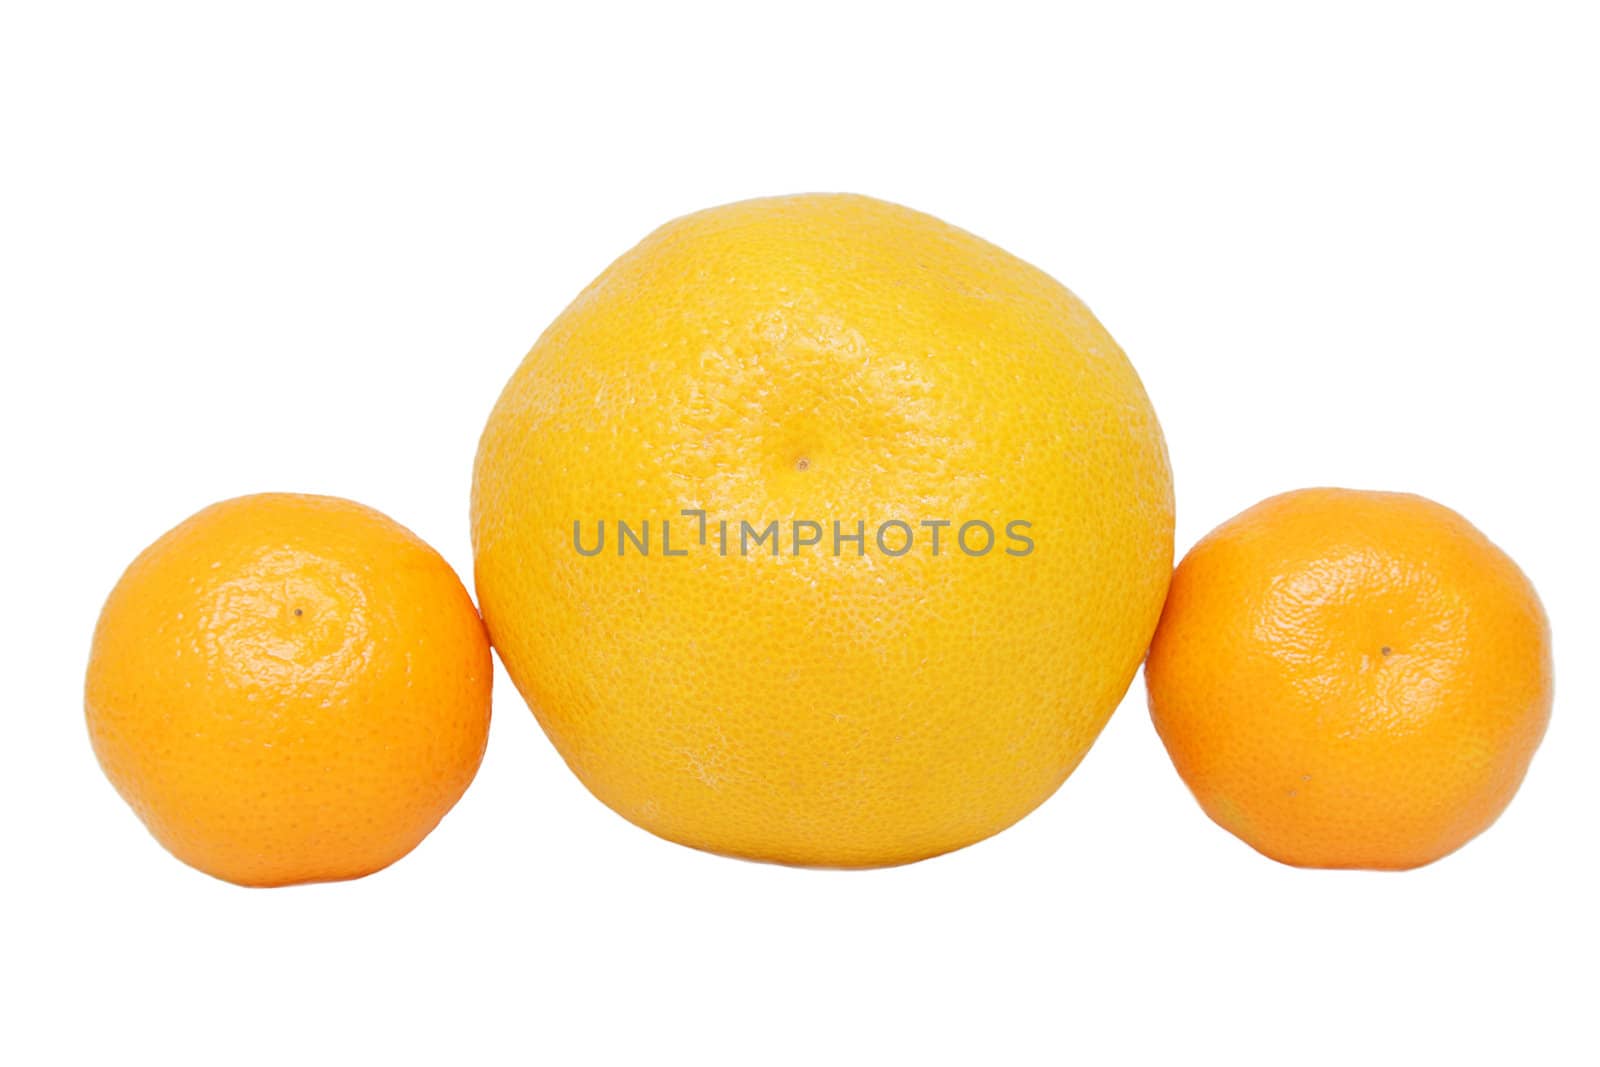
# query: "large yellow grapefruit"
791,693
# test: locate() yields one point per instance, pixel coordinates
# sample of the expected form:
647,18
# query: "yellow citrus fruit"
1351,679
804,361
289,689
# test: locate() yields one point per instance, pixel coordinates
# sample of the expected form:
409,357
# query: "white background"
302,249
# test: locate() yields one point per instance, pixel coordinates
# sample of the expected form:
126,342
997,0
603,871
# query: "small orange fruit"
1350,679
289,689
